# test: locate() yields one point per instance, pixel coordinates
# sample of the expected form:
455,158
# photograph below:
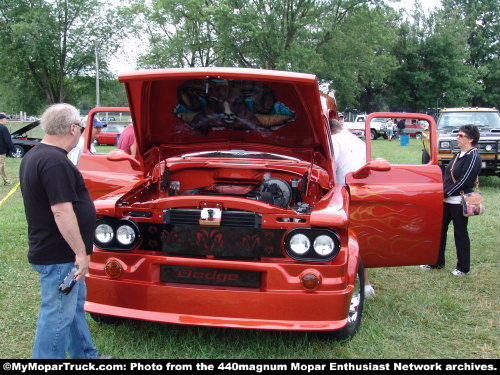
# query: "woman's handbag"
472,203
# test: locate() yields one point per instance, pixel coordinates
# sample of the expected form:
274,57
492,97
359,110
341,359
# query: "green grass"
416,314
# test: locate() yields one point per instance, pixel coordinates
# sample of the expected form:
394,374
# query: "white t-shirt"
456,199
349,153
74,155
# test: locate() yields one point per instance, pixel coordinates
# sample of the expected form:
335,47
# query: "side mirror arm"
378,164
119,155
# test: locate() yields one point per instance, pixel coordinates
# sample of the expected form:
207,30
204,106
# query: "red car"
230,215
109,135
416,128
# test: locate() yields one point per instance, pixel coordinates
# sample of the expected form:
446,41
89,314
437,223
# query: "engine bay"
288,185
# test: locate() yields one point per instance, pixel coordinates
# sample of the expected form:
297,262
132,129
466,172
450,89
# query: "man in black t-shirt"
61,220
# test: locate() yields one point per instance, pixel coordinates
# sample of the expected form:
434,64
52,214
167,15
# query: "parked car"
377,126
488,122
230,216
415,128
109,135
22,142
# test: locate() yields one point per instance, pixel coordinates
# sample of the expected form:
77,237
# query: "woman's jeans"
62,326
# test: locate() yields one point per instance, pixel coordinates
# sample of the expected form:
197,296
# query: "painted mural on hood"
219,104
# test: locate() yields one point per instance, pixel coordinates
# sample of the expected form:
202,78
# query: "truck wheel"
355,310
107,319
418,136
374,134
17,151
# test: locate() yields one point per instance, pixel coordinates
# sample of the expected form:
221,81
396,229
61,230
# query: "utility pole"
97,96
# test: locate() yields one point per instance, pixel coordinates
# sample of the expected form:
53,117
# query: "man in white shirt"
74,155
349,151
350,154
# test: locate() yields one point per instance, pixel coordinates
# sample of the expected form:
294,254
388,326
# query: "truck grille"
230,218
222,242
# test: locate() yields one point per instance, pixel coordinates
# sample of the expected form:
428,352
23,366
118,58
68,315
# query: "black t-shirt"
5,140
48,177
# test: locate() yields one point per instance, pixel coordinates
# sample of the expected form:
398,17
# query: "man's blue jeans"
62,326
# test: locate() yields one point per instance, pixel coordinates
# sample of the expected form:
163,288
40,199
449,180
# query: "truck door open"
104,173
396,210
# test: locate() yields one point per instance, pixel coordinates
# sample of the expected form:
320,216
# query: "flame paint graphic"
390,228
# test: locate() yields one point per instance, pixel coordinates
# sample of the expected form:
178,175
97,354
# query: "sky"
126,58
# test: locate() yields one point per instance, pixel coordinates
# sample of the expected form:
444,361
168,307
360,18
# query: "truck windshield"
480,119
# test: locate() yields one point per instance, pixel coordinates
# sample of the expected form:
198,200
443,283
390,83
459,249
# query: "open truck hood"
181,111
25,129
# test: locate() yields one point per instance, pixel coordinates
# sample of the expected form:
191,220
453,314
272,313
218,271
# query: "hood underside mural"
218,104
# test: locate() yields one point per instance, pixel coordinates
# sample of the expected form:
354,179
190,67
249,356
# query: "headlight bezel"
311,255
114,244
445,145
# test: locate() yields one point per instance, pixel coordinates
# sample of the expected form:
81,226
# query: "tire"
418,136
17,152
355,310
373,134
107,319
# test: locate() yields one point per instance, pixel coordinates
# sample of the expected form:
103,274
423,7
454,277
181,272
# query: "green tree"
48,43
347,43
432,53
181,33
482,20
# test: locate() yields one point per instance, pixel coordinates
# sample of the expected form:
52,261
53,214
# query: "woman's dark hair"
471,131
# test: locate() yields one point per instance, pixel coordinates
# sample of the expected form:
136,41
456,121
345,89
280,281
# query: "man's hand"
83,266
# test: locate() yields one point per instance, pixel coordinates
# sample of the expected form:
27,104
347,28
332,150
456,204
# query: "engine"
281,189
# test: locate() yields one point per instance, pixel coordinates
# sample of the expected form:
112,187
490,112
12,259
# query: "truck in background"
378,128
488,122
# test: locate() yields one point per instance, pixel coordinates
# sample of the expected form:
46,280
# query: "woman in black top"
459,176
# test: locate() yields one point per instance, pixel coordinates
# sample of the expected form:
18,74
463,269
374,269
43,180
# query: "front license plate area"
210,276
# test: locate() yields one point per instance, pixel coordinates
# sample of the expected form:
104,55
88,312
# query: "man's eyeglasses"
80,126
460,135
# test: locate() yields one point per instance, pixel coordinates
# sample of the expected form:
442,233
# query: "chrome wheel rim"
17,152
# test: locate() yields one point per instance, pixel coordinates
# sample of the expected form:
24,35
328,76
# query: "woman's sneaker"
369,291
457,272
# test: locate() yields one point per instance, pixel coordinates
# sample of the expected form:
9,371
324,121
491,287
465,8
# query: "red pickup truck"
230,215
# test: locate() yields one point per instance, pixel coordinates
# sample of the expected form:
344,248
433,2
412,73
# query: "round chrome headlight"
299,243
104,233
324,245
488,147
125,235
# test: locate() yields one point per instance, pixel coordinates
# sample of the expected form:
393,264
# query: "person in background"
127,140
5,147
401,127
426,142
61,222
75,154
341,118
460,176
389,125
350,155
